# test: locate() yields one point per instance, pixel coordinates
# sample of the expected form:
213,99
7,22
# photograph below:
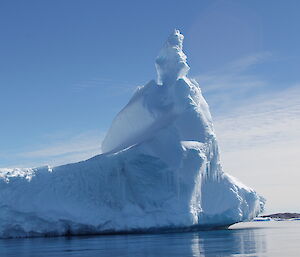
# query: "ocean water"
274,238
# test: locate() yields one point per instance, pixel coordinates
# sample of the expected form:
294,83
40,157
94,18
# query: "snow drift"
160,170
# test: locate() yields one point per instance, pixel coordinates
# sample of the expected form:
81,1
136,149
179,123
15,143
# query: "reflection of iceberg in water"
235,242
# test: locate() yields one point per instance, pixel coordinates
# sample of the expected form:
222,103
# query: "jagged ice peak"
171,62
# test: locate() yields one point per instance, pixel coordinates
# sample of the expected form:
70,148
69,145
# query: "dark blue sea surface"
273,238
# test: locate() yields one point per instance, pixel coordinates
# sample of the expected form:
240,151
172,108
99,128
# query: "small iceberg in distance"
262,219
159,171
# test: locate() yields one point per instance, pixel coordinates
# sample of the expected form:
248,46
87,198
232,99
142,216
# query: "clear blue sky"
67,67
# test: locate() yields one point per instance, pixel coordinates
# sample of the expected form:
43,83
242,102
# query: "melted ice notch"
171,61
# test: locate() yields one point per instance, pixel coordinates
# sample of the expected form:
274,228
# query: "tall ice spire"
171,61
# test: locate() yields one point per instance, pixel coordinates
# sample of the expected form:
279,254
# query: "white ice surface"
160,170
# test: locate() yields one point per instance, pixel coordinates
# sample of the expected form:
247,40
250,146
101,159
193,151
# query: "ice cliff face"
160,170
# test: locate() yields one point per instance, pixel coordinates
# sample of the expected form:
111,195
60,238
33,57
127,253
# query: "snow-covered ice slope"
160,170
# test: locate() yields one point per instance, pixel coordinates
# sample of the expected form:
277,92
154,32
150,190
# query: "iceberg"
159,170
